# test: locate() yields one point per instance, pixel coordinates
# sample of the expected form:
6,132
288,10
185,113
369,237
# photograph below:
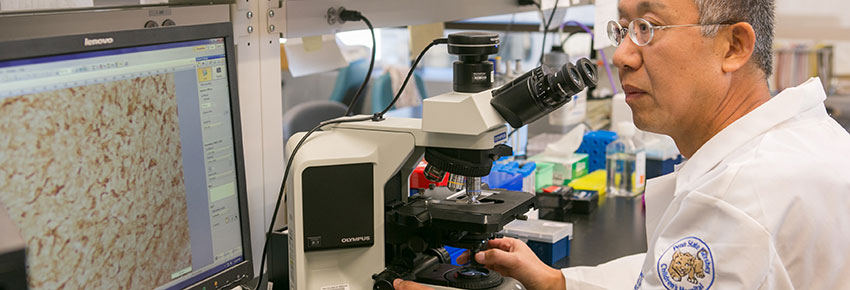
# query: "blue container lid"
528,169
504,176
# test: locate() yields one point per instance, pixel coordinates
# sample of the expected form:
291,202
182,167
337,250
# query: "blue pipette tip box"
550,240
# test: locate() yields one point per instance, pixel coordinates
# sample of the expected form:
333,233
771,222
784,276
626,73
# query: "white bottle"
625,163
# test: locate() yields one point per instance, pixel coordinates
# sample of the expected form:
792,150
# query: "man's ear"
739,41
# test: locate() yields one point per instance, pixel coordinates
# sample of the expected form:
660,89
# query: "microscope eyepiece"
536,93
588,72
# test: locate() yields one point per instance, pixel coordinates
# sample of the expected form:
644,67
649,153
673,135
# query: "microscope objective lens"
434,174
456,182
473,189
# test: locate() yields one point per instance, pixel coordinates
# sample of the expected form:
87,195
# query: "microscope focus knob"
383,285
417,244
384,280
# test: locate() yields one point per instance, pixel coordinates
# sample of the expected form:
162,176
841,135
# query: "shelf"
307,18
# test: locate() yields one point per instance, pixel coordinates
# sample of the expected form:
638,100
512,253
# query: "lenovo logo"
355,239
97,41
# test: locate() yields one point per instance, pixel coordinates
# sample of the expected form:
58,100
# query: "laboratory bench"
615,229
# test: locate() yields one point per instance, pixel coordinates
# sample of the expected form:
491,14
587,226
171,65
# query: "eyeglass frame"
652,28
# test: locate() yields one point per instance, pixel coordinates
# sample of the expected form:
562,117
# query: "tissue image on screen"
93,177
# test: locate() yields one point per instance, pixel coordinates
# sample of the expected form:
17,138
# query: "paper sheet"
312,43
422,35
314,55
606,10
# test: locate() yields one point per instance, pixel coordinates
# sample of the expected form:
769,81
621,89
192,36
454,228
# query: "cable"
546,30
563,42
380,116
283,184
512,132
509,27
351,15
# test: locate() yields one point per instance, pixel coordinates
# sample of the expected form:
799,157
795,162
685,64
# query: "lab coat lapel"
778,109
658,194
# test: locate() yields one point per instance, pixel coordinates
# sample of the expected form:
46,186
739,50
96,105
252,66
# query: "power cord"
352,15
380,116
347,15
564,42
512,132
546,29
508,28
283,184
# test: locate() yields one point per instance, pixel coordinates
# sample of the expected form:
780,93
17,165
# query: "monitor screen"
122,166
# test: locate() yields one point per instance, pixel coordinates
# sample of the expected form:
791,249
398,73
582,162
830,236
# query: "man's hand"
512,258
399,284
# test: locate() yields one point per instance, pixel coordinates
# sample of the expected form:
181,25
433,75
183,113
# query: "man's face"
668,82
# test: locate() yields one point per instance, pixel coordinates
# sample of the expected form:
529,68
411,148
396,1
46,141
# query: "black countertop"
615,229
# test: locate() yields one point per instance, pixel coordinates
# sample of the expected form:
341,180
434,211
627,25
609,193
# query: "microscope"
353,223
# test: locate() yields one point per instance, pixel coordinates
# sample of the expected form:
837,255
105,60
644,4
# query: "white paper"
337,287
605,10
325,58
568,144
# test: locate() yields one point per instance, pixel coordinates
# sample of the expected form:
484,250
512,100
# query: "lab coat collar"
784,106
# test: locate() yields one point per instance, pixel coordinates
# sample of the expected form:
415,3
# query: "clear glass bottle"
625,163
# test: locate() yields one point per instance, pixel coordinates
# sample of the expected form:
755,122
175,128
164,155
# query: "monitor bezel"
67,44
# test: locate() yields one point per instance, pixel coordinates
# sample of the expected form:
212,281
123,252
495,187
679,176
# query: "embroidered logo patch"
687,265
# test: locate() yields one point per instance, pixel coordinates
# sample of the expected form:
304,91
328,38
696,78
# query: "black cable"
283,185
380,116
563,42
351,15
509,27
546,30
512,132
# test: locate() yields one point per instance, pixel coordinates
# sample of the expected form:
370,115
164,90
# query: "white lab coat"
764,204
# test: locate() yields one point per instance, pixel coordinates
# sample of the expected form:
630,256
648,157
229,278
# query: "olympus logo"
97,41
356,239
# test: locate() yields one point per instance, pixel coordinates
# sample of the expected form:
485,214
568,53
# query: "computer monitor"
121,159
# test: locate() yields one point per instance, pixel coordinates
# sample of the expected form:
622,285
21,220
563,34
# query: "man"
763,201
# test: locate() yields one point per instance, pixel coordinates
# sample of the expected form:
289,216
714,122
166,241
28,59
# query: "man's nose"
627,56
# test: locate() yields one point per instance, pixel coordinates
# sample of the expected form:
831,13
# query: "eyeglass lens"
615,33
641,31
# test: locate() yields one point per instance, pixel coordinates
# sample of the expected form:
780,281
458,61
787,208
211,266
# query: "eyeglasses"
641,31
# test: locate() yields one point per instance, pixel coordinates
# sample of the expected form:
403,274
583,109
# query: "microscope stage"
497,208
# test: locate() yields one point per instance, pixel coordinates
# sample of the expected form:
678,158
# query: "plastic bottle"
625,163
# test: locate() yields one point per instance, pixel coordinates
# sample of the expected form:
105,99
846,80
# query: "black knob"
383,285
